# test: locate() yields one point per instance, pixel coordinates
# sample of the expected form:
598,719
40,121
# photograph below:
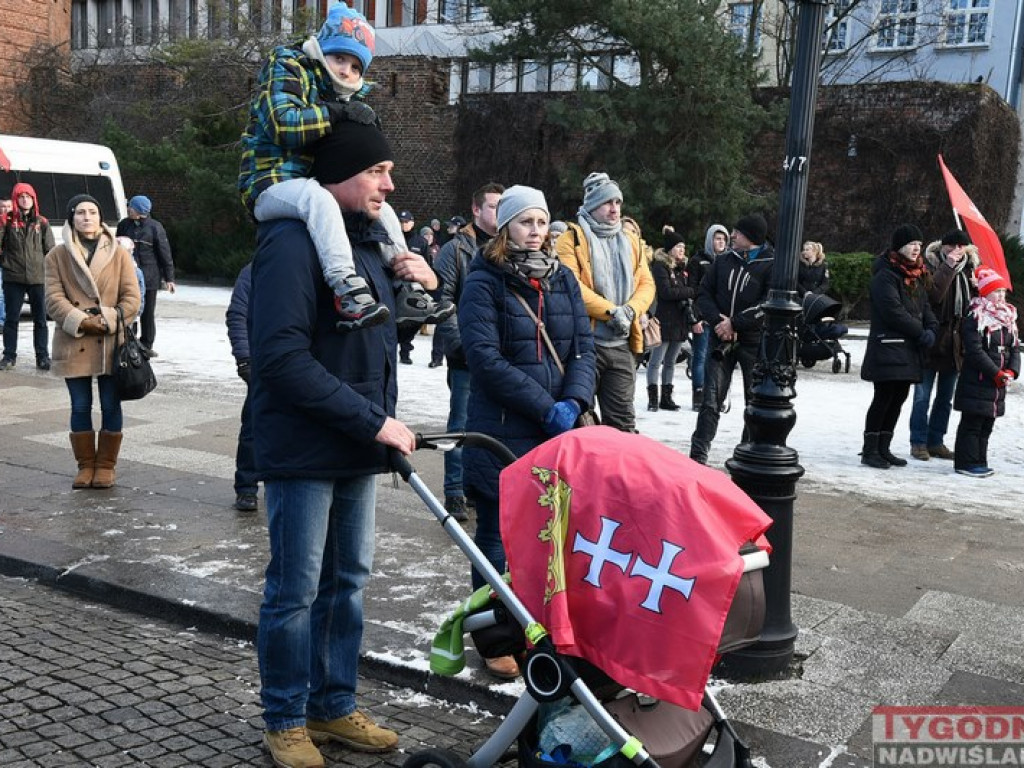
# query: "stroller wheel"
837,365
442,758
806,362
847,362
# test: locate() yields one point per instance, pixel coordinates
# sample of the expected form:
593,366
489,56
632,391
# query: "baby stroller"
819,333
553,677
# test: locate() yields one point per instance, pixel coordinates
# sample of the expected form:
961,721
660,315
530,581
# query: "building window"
459,11
79,25
595,73
183,17
406,13
897,24
967,22
479,77
740,20
109,24
837,27
534,76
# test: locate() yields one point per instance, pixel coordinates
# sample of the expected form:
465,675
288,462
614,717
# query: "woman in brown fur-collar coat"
88,279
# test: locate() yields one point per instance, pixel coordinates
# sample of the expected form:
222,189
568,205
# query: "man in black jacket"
452,267
153,255
729,300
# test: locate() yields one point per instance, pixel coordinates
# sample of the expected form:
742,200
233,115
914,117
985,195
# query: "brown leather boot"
83,444
107,449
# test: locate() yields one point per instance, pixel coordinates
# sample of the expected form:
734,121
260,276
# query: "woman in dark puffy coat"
991,362
812,276
902,330
517,392
673,310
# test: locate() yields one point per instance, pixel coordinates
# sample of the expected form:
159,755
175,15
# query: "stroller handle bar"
447,441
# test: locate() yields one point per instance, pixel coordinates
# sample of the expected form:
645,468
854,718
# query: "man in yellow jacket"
617,289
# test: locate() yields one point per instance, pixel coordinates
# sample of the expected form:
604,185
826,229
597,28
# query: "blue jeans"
931,430
311,620
14,297
80,389
699,345
458,383
488,536
659,354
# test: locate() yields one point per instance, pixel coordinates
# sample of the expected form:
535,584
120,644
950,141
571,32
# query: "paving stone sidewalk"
82,684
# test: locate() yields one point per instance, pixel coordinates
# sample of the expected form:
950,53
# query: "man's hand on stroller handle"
398,436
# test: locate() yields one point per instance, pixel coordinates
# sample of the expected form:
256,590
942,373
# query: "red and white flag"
989,248
627,552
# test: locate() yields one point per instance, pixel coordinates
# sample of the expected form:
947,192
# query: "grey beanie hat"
517,199
598,189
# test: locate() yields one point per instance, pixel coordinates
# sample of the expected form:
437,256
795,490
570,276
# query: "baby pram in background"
599,505
819,333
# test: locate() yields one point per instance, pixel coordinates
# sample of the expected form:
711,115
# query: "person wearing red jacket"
25,239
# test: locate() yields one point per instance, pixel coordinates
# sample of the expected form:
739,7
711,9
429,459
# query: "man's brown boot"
293,749
355,731
108,448
83,444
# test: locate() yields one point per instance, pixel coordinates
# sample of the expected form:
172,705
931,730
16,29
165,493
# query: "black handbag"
132,371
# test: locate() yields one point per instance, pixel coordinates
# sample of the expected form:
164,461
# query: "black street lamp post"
765,467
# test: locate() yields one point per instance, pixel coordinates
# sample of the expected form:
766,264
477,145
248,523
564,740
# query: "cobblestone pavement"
85,685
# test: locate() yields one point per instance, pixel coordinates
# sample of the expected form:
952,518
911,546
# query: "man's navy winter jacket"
319,396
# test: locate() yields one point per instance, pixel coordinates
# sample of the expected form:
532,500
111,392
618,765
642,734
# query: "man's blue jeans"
311,620
458,383
931,429
80,390
699,346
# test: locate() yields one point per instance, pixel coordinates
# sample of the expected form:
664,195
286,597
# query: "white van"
59,170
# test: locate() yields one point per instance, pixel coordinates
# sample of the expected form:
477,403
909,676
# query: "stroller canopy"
819,305
628,553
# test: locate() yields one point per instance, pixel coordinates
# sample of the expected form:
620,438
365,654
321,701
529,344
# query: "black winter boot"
884,440
869,454
652,397
667,403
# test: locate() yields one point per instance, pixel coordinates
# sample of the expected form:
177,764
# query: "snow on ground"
195,357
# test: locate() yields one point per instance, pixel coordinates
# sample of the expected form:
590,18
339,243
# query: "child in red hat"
991,362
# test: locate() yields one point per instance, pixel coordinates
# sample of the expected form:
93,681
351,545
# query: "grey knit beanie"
517,199
598,189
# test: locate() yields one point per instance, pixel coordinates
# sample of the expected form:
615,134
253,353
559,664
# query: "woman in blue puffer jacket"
518,394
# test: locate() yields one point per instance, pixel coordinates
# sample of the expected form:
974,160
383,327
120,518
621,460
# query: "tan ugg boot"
108,448
83,444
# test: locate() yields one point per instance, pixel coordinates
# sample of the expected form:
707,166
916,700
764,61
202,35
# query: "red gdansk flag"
627,552
989,248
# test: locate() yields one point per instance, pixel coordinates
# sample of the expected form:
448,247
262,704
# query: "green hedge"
849,278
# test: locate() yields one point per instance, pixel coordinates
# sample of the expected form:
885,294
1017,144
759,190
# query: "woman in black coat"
991,362
902,330
674,297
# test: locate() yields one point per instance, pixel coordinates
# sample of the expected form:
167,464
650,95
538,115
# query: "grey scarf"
610,258
532,265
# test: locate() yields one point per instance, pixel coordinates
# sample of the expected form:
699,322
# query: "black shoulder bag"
132,371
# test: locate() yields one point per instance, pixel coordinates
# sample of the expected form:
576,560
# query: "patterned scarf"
911,270
992,317
532,265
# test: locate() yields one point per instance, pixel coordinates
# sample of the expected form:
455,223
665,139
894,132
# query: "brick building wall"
26,24
412,100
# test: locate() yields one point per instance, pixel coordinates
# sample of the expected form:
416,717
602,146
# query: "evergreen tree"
676,121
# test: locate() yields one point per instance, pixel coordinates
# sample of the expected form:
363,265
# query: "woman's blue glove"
927,338
561,417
